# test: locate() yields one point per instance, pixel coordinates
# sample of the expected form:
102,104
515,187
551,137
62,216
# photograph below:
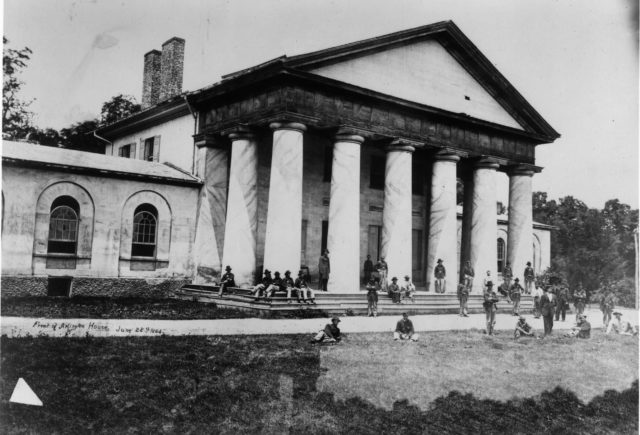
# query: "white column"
344,215
443,221
284,214
484,226
242,210
396,215
520,229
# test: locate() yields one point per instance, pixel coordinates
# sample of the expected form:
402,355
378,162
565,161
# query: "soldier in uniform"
463,297
263,285
562,294
529,278
515,292
547,307
468,276
372,298
289,284
607,304
440,273
368,269
490,308
579,300
404,329
382,267
394,290
302,287
523,329
408,289
330,333
324,267
227,280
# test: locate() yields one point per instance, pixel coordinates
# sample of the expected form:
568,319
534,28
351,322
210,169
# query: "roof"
28,154
445,32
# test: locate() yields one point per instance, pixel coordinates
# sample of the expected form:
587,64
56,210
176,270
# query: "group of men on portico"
285,198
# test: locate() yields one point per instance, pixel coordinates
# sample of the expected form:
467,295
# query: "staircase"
342,303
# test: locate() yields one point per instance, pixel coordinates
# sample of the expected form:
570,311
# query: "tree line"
17,118
591,247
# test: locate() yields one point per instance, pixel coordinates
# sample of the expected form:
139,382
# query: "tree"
16,117
118,107
80,137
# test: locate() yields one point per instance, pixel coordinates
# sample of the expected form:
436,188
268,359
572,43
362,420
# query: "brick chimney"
171,67
151,79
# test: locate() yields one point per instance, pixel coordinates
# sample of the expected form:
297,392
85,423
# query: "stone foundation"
110,287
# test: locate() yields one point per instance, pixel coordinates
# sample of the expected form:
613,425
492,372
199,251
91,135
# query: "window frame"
61,240
141,248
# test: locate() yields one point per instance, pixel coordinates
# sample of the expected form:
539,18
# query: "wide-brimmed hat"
617,313
267,271
288,272
439,260
335,319
394,279
227,268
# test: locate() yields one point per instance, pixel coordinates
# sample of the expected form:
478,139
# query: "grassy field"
449,382
129,308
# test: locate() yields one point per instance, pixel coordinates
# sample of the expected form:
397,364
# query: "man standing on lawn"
579,300
547,307
404,329
607,304
490,308
440,273
330,333
562,302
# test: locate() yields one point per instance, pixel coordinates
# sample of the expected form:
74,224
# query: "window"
501,255
59,286
125,151
145,220
328,163
150,150
63,226
376,175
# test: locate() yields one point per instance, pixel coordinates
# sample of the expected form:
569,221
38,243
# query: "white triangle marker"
22,393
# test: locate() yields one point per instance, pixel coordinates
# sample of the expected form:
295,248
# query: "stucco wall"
25,229
176,142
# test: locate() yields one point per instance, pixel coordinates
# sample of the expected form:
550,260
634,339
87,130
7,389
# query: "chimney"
171,66
151,79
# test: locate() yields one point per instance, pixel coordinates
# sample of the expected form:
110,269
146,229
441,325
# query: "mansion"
359,149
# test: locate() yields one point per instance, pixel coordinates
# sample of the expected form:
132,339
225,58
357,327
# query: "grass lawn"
128,308
449,382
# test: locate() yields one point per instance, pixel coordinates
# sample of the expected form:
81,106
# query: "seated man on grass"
619,326
523,329
330,333
582,328
404,329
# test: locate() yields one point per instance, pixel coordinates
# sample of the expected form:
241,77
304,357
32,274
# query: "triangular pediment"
422,72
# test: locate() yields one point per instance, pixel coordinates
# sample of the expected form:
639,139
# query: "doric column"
484,226
443,220
242,208
284,214
396,215
520,230
344,215
211,165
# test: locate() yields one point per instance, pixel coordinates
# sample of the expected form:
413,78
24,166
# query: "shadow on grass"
235,385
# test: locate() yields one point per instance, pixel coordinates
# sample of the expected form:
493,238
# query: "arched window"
63,226
145,223
500,255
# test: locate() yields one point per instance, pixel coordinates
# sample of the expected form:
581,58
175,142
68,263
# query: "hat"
489,284
267,271
516,280
439,260
335,319
407,277
528,263
227,268
277,273
394,279
301,272
617,313
288,272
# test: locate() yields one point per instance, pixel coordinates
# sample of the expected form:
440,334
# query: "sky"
575,61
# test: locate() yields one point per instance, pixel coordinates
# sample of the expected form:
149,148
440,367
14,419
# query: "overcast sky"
575,61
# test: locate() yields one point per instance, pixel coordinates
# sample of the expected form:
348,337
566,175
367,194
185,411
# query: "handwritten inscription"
43,327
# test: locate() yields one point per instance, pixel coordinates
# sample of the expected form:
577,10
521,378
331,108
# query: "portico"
323,156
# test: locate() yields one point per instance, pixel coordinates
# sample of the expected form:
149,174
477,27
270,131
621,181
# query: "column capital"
240,132
285,125
401,145
208,140
446,156
486,163
523,170
347,136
